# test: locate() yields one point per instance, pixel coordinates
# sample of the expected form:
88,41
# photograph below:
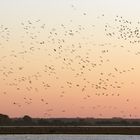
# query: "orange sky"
69,58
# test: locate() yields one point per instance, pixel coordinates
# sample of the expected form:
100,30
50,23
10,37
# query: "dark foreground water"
69,137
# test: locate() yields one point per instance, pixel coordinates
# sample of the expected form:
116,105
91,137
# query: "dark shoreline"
125,130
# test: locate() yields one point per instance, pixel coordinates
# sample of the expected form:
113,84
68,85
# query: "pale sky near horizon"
70,58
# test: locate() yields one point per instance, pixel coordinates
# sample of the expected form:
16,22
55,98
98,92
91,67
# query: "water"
69,137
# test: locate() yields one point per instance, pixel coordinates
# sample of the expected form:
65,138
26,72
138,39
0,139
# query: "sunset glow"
70,58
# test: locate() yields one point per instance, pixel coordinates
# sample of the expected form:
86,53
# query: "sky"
70,58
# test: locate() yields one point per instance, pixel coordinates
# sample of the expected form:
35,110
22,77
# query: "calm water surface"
69,137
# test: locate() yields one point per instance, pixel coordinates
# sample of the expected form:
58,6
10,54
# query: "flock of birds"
124,30
63,61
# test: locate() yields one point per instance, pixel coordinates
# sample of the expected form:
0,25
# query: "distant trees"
28,121
27,118
4,120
